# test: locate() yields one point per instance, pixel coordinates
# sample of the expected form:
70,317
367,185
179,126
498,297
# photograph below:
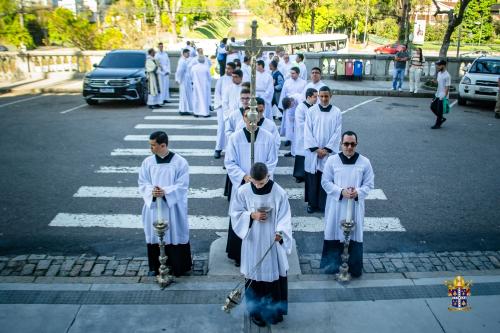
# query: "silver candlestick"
347,226
161,226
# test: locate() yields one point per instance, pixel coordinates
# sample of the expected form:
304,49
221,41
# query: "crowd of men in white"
259,211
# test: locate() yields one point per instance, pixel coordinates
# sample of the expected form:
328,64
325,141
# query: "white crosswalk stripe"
176,126
188,138
180,118
183,152
194,193
193,170
199,222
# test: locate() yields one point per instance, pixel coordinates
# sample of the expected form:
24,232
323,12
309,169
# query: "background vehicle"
119,76
481,81
389,49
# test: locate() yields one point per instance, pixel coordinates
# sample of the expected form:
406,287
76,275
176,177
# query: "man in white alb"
164,63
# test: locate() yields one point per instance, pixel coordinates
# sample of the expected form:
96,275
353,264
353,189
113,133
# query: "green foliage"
65,28
214,29
15,34
477,25
111,38
387,28
435,32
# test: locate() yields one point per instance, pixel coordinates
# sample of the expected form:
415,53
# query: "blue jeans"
398,77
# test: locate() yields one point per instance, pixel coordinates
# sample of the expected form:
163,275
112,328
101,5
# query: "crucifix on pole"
253,48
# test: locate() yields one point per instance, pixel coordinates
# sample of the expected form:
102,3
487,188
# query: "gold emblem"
459,291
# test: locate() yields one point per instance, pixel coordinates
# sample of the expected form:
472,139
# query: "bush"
387,28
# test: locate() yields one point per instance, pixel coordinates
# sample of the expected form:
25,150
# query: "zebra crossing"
193,138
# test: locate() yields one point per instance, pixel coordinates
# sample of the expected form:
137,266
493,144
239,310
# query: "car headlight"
134,80
466,80
86,80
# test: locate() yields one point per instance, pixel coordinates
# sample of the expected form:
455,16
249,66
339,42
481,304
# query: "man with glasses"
315,82
237,114
347,175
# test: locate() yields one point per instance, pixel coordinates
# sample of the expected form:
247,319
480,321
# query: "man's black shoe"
310,209
217,154
288,154
443,120
157,106
278,319
435,127
497,115
258,321
166,102
237,264
287,143
299,180
184,113
196,116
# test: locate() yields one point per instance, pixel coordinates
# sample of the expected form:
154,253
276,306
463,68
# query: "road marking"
183,152
193,170
195,138
360,104
202,222
21,100
178,118
176,126
194,193
453,104
73,109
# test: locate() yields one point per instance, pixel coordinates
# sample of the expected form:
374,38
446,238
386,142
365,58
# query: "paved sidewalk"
390,302
343,87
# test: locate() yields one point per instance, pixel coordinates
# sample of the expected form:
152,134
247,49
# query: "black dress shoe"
184,113
217,154
288,154
497,115
435,127
310,209
157,106
166,102
299,180
258,321
287,143
237,264
443,120
196,116
278,319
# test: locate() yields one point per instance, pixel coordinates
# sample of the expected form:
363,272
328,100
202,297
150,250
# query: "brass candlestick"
161,226
347,226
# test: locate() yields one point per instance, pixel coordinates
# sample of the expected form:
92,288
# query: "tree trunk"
443,52
313,16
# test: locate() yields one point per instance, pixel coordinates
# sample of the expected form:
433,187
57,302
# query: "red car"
389,49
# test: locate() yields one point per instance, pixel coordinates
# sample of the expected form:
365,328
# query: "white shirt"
443,80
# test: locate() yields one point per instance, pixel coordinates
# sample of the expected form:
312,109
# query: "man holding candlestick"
347,179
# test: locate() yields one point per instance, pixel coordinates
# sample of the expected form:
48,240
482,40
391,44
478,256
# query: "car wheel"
462,101
92,101
143,100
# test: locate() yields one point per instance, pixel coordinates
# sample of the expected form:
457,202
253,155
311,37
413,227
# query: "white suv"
481,81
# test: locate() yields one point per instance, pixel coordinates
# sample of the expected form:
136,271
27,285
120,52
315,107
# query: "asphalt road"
442,185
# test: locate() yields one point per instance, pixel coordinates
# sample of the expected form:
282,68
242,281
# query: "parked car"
120,75
480,82
389,49
3,48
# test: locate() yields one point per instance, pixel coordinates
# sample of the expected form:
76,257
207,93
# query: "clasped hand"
158,192
322,152
350,193
259,216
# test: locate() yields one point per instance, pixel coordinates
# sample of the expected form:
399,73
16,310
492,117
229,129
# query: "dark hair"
261,63
421,54
287,102
246,85
233,39
160,43
295,69
274,64
160,137
151,51
325,88
260,101
231,64
244,91
185,51
238,72
317,69
349,133
188,43
259,171
300,55
246,58
224,40
310,92
237,62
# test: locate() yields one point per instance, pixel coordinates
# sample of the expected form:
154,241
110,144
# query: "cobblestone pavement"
95,266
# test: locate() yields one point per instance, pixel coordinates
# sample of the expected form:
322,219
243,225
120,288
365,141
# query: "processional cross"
253,48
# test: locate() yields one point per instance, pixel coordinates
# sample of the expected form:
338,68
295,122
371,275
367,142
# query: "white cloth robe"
291,88
164,62
316,86
173,178
183,78
285,68
202,82
221,88
154,88
247,72
237,158
230,125
268,125
258,238
231,99
300,119
337,176
322,130
264,88
303,70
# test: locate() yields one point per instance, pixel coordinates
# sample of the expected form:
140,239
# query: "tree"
478,22
454,20
289,12
68,28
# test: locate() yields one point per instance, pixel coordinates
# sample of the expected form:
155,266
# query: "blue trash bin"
358,70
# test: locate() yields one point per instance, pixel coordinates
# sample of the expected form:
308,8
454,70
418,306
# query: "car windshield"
486,67
123,60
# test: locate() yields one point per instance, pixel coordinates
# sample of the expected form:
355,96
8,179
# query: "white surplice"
231,99
264,88
316,86
270,126
221,88
337,176
247,72
259,237
232,121
164,62
303,70
183,78
202,82
237,158
173,178
321,130
300,119
284,68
